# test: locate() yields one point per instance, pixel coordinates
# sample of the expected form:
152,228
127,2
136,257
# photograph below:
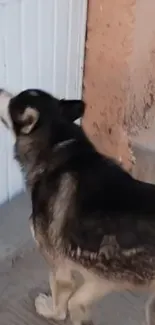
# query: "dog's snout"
4,122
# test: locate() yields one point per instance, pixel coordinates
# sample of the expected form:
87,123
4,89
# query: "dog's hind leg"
55,306
81,301
150,311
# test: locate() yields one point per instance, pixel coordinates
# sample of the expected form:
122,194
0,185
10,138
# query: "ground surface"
23,274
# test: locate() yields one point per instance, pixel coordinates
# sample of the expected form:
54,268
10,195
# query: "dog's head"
29,109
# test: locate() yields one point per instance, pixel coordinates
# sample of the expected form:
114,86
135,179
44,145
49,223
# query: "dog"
91,220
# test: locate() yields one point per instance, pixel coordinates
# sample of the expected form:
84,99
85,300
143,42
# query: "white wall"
41,45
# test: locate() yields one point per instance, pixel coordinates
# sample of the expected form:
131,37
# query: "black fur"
107,202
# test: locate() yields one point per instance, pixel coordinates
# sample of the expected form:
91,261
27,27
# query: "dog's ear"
26,120
72,109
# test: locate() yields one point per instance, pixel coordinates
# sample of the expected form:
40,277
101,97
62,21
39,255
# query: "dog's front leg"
55,306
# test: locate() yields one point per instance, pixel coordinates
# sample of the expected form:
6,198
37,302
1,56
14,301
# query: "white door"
41,45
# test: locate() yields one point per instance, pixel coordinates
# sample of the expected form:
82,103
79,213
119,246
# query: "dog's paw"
44,307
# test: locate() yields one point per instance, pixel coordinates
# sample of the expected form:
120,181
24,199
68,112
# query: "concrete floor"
23,274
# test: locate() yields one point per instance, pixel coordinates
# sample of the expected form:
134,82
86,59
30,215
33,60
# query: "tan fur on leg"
150,311
55,306
80,303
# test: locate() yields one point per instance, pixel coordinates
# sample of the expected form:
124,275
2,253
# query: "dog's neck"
34,153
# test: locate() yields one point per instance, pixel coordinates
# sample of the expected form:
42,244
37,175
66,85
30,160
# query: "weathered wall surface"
119,73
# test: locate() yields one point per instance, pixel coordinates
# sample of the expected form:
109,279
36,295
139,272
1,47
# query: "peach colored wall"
119,73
